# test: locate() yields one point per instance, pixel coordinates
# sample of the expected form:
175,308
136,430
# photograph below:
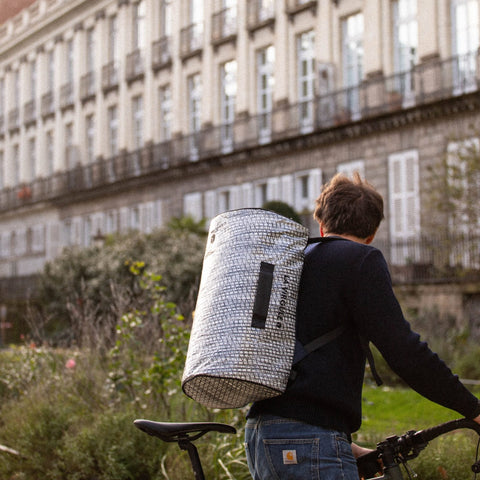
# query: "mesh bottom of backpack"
243,335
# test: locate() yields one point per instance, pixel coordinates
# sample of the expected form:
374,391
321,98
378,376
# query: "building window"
352,62
265,86
227,103
166,114
90,47
33,80
69,147
90,138
111,222
307,187
49,152
2,169
350,168
463,188
16,89
2,97
404,204
306,79
465,38
196,22
32,158
194,113
51,71
139,32
69,61
87,232
16,163
193,206
112,131
166,18
405,45
113,43
137,120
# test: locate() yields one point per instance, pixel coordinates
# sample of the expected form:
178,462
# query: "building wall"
43,209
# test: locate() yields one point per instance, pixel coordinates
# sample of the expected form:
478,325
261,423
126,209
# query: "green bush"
282,208
81,285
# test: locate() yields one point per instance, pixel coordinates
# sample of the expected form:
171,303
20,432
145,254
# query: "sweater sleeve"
381,320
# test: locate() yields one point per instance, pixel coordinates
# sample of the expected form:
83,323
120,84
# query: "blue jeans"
282,449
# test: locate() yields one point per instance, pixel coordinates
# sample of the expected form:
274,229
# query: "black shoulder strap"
301,351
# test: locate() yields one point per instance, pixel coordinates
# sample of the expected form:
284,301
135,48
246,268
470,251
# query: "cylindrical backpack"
243,335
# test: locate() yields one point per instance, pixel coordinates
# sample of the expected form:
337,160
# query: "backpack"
243,346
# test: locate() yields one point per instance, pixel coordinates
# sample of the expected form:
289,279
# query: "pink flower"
71,364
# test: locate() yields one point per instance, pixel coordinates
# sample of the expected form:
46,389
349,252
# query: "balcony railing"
110,76
48,106
67,98
14,119
161,53
385,96
436,258
224,25
29,112
87,86
135,65
260,13
191,40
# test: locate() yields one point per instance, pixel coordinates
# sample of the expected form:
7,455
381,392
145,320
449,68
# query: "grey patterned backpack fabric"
242,342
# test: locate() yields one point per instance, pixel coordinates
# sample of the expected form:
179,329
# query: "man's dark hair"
349,207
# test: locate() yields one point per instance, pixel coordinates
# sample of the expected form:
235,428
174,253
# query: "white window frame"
405,46
228,79
139,36
112,114
352,61
166,112
194,113
404,205
465,40
349,168
306,80
137,122
265,88
193,206
307,187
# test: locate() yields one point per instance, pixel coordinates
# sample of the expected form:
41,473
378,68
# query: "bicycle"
390,454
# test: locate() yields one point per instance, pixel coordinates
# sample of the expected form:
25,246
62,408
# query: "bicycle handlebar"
395,450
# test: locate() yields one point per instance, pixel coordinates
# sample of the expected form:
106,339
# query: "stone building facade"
119,114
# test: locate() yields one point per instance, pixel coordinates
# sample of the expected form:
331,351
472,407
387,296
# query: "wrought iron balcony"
224,25
67,98
30,112
429,84
14,120
161,53
135,65
191,40
260,13
87,86
48,106
110,77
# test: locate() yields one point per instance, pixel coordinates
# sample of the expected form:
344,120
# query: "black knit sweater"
345,281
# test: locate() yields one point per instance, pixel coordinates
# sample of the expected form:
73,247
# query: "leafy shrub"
282,208
81,285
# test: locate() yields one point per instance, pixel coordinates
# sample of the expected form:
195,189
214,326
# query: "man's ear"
370,238
322,233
